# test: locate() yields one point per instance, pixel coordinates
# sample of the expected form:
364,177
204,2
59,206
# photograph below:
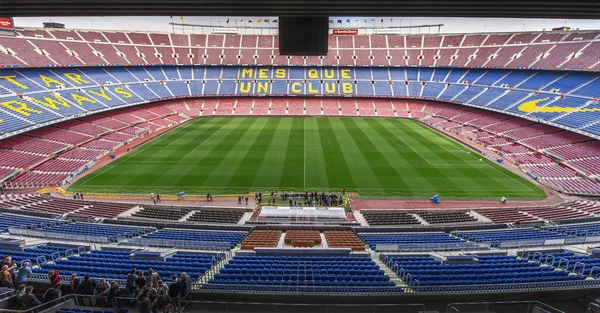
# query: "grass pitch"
374,157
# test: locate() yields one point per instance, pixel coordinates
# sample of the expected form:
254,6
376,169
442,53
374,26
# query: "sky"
451,25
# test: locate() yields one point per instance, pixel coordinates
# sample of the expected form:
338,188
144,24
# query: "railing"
219,306
67,279
432,246
491,307
593,307
57,235
189,244
75,301
396,290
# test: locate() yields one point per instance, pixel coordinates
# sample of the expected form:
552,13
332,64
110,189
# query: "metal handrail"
43,305
593,308
592,270
560,262
451,307
395,290
582,268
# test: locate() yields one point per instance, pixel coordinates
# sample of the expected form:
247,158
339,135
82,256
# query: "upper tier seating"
468,50
216,216
577,109
110,264
307,273
389,218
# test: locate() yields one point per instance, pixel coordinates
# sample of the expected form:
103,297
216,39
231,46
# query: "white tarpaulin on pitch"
301,212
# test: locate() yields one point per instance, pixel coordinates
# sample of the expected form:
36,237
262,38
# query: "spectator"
141,281
143,301
52,293
114,294
54,277
8,261
185,282
20,292
163,300
74,283
5,277
19,296
130,283
23,274
153,278
102,291
175,294
85,288
153,295
29,300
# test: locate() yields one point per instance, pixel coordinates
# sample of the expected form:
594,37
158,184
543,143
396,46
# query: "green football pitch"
374,157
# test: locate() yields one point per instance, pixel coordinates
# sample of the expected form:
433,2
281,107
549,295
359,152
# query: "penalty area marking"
456,144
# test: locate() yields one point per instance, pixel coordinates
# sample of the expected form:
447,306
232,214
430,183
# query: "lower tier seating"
389,218
409,239
318,273
445,218
216,216
487,270
229,239
112,232
495,238
110,264
262,239
343,239
8,220
162,214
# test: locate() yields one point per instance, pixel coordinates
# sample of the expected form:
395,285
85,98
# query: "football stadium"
208,169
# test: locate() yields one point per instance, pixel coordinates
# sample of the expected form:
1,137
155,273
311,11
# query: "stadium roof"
442,8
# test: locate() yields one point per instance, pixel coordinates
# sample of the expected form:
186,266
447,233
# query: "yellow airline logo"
531,106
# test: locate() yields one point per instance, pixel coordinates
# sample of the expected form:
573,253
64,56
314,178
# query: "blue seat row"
7,220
